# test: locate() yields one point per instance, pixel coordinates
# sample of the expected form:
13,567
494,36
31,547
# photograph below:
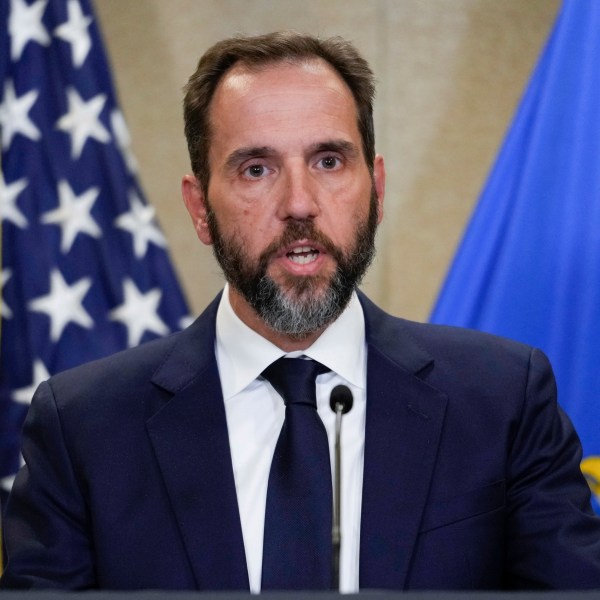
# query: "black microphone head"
341,395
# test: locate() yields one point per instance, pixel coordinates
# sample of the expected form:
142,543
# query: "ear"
195,202
379,182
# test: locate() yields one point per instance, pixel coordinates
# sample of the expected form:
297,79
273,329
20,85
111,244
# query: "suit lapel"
403,427
189,436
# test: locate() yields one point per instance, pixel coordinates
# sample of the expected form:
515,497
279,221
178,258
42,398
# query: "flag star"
123,139
40,374
63,304
82,121
186,321
139,221
75,31
14,115
25,24
5,311
8,201
7,482
139,313
73,214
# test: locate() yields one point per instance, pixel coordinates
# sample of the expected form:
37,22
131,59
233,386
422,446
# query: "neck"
249,317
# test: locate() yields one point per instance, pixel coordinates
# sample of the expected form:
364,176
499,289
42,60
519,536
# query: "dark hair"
257,51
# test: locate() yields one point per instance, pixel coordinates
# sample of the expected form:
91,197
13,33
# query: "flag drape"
528,266
85,270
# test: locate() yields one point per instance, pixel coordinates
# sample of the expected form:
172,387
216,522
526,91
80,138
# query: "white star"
186,321
123,139
63,304
5,311
25,24
139,221
73,214
8,201
139,313
14,115
74,31
40,374
6,483
82,121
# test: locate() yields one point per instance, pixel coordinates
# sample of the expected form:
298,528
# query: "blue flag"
528,266
85,270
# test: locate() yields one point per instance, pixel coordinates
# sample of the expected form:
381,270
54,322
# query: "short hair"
261,50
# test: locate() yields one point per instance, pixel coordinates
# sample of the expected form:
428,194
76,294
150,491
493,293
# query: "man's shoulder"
141,362
444,353
437,338
449,337
160,366
115,386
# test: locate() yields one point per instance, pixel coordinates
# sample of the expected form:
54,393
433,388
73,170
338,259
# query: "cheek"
240,208
345,215
248,230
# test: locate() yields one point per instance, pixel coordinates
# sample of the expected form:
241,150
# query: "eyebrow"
243,154
341,146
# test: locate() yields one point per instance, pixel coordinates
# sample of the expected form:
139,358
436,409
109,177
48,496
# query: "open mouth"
303,255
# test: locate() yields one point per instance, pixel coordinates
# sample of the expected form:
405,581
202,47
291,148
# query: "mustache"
296,230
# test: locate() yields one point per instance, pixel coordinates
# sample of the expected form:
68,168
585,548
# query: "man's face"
291,207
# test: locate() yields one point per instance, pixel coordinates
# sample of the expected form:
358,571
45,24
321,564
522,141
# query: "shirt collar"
243,354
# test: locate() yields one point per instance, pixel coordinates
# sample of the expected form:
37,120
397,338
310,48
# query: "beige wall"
450,75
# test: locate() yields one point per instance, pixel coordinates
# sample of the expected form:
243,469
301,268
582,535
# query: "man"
154,468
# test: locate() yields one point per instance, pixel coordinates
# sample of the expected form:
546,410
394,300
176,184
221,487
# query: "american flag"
85,270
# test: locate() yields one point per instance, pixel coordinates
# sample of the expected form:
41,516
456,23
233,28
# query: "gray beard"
295,316
300,306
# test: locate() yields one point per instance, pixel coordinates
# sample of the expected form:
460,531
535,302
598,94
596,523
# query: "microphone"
341,399
340,402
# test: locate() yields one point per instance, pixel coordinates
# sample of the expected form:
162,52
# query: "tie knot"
294,379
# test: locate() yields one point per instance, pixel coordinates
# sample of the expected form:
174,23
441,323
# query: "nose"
299,195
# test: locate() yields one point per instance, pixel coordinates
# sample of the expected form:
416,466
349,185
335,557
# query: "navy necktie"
297,547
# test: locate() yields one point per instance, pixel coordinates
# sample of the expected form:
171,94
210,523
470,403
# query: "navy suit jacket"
471,474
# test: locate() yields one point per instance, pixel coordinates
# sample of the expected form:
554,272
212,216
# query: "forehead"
240,77
282,96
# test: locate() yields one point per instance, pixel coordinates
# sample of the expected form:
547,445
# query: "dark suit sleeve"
554,538
47,528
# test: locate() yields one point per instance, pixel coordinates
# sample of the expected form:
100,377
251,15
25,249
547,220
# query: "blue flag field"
85,270
528,266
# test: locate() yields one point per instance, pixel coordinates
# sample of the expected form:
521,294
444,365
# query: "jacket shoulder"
442,344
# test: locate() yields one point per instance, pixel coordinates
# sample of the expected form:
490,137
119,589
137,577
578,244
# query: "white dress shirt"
255,414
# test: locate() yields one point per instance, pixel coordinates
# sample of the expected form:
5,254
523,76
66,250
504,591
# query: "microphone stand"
336,536
340,402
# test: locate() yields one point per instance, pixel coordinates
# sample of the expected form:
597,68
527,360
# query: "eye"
255,171
330,162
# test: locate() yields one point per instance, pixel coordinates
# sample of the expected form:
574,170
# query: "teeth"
303,259
303,255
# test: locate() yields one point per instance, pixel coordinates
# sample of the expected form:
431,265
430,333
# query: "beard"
299,305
